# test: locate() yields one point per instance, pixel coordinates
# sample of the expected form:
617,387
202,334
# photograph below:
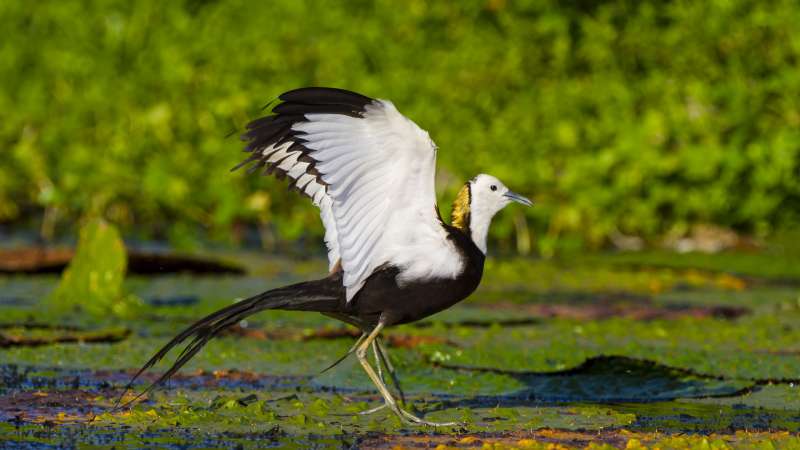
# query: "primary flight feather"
392,259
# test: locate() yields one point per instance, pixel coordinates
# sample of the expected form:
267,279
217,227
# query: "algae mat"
601,351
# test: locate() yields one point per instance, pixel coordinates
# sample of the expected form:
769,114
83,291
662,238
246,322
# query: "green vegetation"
92,283
646,352
635,117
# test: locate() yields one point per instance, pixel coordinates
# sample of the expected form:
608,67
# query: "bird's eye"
493,187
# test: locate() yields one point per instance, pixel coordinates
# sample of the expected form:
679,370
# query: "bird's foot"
407,417
411,419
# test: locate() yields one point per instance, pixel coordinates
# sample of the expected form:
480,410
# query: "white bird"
392,258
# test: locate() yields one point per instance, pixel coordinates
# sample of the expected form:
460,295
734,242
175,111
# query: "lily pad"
545,353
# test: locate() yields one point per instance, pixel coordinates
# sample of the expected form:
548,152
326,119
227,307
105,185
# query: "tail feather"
322,296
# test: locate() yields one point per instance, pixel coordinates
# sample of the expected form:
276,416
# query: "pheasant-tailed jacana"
393,260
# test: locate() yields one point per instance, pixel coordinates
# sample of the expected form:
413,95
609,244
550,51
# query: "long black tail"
325,295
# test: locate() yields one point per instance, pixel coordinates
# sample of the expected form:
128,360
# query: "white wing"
371,171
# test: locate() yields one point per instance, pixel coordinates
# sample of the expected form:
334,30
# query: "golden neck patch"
460,216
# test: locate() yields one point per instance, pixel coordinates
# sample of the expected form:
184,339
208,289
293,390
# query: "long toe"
372,410
409,418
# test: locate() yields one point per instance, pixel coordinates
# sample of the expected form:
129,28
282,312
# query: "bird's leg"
381,359
378,363
380,375
391,403
384,357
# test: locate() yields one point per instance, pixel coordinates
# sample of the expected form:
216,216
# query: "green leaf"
92,282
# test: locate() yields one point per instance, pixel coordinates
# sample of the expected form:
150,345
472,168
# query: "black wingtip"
322,95
275,129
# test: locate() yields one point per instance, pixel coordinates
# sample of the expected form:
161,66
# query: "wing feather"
369,169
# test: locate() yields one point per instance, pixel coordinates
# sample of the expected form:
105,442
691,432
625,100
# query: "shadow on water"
661,398
615,379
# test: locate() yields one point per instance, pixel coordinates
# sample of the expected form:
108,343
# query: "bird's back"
398,301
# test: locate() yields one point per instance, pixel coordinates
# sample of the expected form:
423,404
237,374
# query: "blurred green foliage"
639,117
93,280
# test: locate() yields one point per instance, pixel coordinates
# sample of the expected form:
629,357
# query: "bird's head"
477,202
490,195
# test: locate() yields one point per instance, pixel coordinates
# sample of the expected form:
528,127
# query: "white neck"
479,229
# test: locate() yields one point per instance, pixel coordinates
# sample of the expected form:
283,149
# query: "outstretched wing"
367,167
274,146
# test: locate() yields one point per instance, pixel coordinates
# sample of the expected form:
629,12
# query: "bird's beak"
514,197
